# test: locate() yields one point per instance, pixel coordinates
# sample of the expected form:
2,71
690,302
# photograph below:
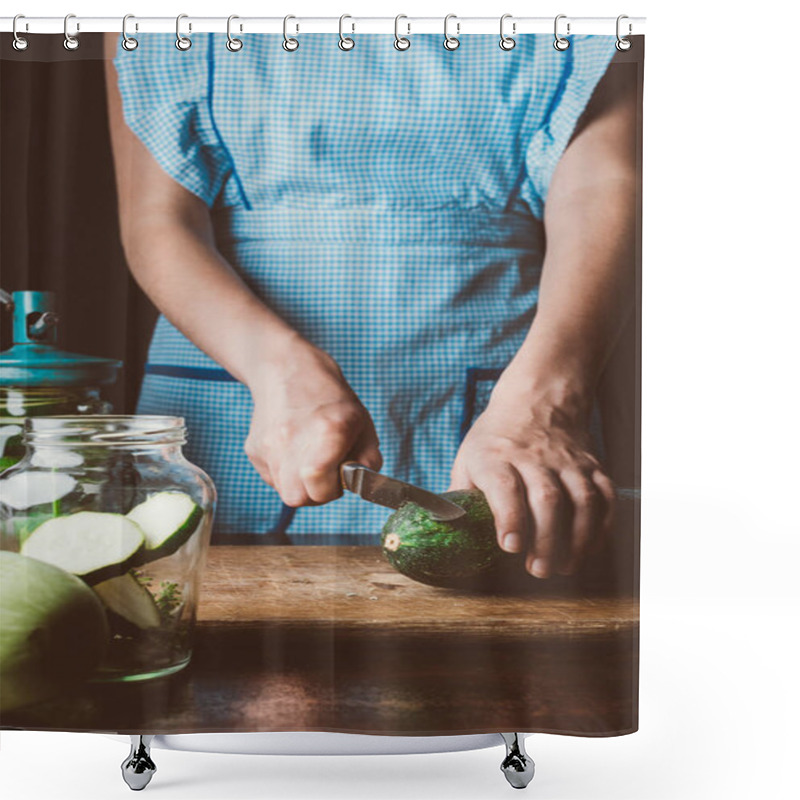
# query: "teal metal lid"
34,360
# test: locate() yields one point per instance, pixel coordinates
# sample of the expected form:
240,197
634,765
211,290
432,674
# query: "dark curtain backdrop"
58,212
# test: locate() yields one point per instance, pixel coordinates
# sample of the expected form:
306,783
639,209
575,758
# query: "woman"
348,251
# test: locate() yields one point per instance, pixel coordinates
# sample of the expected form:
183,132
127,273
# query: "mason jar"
112,500
38,379
19,402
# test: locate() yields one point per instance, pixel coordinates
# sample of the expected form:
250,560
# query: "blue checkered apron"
388,205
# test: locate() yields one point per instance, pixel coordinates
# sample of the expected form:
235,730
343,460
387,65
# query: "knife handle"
348,472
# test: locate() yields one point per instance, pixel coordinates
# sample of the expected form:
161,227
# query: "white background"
721,538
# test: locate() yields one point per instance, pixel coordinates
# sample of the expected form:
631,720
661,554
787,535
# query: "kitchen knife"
385,491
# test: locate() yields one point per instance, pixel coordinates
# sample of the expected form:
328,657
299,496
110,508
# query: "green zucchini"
458,554
90,544
125,596
167,520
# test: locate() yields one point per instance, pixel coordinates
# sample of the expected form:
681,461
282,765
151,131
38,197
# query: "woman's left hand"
530,450
549,495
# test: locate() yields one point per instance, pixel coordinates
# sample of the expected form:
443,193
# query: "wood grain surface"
333,639
355,588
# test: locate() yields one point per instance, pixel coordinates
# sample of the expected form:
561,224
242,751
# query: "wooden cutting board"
355,588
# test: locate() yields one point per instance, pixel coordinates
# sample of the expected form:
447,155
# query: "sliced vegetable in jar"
25,525
53,458
126,596
167,520
93,545
22,490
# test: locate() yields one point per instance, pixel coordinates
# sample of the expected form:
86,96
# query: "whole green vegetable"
459,554
53,630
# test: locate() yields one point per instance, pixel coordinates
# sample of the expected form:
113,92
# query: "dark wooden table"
332,638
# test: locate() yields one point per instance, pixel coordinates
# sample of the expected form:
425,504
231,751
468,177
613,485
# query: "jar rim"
105,430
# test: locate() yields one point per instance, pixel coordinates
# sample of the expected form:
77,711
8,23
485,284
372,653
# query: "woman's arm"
306,418
529,451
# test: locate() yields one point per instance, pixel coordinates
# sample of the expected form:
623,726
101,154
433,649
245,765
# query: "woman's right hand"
306,421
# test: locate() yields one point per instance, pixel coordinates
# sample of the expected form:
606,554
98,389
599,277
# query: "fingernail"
512,542
539,568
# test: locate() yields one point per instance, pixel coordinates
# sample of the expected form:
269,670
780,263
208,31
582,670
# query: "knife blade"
385,491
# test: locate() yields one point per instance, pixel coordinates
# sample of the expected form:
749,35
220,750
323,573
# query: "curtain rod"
407,25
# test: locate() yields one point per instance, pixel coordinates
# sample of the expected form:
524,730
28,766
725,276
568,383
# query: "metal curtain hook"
401,42
560,42
18,43
182,42
70,42
233,44
345,42
506,42
451,42
289,44
623,43
128,42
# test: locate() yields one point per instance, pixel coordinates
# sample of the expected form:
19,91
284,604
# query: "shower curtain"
320,249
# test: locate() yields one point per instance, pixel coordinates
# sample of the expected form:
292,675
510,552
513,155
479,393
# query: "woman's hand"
529,451
550,497
306,422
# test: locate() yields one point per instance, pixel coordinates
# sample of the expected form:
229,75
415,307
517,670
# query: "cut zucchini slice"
125,596
25,526
93,545
28,489
167,520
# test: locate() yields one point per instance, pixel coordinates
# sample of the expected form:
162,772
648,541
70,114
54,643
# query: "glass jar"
37,378
112,500
19,402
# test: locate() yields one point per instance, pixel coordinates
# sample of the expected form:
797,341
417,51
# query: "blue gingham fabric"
387,204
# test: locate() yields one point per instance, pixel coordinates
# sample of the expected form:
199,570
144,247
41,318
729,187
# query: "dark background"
58,213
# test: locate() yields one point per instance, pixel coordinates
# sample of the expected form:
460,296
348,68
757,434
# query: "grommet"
623,44
70,42
345,42
560,42
19,43
289,44
506,42
182,42
233,44
128,42
401,42
451,42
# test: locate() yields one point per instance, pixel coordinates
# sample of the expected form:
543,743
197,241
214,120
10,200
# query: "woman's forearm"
586,296
587,291
178,267
167,235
